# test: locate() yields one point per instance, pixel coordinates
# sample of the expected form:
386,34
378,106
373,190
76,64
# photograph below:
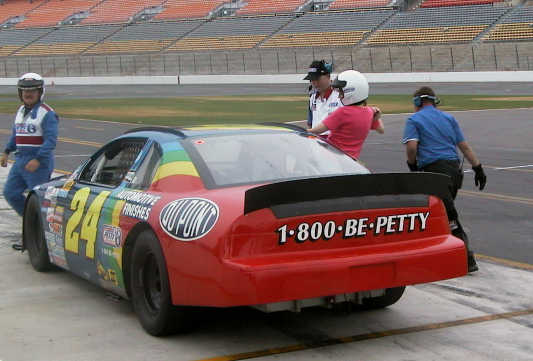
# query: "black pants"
452,169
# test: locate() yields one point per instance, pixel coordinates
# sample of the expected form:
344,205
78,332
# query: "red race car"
267,216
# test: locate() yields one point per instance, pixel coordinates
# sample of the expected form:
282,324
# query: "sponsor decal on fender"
112,236
188,219
138,204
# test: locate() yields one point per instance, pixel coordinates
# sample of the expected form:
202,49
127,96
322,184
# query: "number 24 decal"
89,224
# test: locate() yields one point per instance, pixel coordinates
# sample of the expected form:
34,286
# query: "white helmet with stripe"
31,81
354,86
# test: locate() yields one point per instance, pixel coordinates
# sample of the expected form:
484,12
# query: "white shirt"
322,107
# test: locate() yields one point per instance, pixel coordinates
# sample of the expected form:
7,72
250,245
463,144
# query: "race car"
267,216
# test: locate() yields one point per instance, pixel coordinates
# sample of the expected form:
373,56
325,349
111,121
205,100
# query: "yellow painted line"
65,140
498,197
370,336
506,262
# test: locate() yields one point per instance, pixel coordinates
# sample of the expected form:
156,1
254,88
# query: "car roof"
167,133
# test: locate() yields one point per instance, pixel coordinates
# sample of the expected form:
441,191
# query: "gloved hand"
480,178
412,167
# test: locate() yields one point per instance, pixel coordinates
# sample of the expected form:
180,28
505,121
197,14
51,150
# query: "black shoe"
17,246
472,264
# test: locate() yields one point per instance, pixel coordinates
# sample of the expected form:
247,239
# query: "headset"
417,101
328,66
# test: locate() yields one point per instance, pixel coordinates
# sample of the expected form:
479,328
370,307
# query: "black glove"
412,167
480,178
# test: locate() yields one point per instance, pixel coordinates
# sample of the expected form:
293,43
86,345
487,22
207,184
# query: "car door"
89,209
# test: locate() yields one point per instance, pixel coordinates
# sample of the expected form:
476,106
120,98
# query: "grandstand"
230,33
70,28
339,29
516,25
437,25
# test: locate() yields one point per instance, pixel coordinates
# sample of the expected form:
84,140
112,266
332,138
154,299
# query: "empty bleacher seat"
117,11
13,39
438,3
353,4
68,40
516,25
144,37
437,25
253,7
17,8
230,33
182,9
336,29
53,11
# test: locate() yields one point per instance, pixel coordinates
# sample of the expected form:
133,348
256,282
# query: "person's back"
438,134
350,126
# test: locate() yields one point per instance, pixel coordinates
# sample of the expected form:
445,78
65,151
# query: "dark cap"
317,69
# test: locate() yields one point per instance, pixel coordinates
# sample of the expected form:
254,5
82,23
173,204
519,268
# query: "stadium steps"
480,36
31,42
274,33
385,22
103,39
171,44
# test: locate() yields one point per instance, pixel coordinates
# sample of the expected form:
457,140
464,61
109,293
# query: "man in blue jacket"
431,138
33,141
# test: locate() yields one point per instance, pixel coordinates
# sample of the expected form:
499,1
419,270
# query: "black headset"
417,101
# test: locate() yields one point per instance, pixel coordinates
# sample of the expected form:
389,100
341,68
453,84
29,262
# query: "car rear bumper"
283,277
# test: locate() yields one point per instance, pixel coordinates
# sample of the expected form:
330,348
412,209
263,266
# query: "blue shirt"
437,133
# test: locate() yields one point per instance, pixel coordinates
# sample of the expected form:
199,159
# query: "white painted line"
72,155
515,167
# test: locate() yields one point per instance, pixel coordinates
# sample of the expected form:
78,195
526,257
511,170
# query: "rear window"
256,158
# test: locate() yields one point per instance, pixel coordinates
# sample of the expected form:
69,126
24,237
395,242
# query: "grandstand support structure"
480,36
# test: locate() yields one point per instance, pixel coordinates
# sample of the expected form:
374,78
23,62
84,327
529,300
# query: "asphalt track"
150,91
484,316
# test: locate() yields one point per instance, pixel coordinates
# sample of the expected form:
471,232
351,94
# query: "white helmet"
353,84
31,81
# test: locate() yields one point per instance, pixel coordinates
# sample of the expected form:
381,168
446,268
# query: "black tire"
150,288
33,235
391,296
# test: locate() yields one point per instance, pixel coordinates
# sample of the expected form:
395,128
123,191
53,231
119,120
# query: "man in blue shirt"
432,138
33,140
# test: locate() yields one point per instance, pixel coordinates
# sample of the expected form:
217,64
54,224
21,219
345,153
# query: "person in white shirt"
324,100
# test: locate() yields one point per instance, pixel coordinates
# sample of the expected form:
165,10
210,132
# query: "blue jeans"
19,180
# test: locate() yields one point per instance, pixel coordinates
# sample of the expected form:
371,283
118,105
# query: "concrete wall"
438,58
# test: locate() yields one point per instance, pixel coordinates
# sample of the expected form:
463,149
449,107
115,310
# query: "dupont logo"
112,236
188,219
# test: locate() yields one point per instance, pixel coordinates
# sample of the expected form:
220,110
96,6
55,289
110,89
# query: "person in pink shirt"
349,126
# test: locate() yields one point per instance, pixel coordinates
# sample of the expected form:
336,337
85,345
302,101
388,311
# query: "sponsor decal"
130,176
188,219
51,194
107,274
354,227
138,204
112,236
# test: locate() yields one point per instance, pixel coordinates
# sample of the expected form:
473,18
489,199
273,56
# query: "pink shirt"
349,127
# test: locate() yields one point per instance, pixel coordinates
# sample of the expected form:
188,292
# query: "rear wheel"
150,288
391,296
33,236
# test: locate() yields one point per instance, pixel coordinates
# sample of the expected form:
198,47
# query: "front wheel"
391,296
150,288
33,235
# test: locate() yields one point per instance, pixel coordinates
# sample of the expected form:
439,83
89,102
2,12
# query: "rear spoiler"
361,185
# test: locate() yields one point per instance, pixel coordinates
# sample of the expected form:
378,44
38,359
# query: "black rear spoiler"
323,188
